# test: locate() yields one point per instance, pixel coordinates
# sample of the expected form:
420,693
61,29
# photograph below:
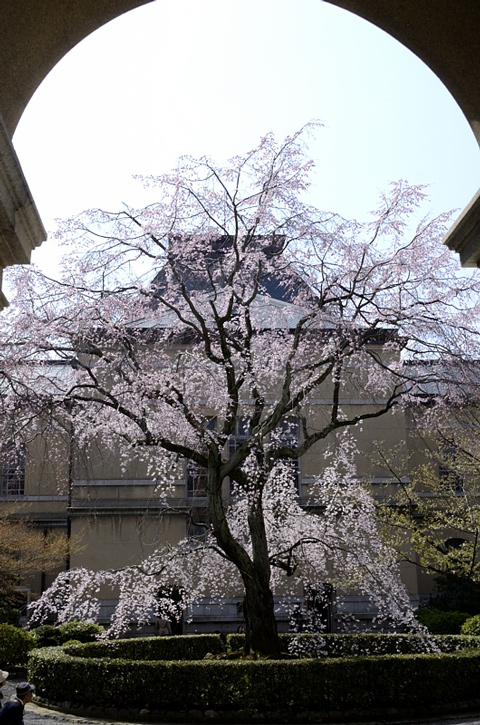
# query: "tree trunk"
261,627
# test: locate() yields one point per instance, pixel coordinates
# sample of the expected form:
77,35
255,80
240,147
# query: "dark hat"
23,688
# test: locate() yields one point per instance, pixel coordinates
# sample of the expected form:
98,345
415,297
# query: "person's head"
3,678
24,691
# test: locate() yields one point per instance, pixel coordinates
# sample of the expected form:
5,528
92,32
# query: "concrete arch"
444,35
36,34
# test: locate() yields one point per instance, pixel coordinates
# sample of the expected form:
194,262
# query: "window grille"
240,434
197,479
287,433
197,476
13,472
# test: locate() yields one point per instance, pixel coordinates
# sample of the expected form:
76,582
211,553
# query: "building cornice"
21,229
464,235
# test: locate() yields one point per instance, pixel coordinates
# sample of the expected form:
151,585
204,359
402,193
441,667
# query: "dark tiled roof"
284,284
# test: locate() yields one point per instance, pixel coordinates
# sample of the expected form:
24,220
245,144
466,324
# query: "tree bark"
261,627
262,636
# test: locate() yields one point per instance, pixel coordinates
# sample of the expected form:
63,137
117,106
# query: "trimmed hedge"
362,645
256,688
182,647
15,644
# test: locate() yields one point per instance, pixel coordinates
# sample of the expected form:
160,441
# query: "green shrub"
9,614
48,635
15,644
472,626
456,594
439,622
81,631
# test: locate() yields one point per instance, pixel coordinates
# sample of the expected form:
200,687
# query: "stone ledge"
464,236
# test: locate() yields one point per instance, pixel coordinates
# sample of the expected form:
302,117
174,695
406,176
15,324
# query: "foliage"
456,593
433,518
49,635
81,631
439,622
258,688
471,626
260,307
15,644
25,550
9,614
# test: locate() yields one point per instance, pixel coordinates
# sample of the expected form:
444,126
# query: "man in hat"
3,681
12,712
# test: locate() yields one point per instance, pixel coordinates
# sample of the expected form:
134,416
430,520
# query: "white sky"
211,77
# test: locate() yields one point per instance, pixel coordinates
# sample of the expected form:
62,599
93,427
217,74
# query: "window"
13,471
447,470
198,526
197,479
240,434
197,476
287,433
455,543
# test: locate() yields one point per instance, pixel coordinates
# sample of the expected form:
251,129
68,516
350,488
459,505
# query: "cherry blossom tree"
233,300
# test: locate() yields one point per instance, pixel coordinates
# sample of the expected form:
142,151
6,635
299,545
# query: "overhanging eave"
21,229
464,236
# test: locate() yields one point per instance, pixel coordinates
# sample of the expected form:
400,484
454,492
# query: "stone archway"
445,36
36,34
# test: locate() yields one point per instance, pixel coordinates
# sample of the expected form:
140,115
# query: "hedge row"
368,644
182,647
281,686
196,647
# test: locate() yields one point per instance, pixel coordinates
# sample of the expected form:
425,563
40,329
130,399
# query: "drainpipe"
69,406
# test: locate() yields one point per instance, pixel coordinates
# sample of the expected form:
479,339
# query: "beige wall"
121,538
116,515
